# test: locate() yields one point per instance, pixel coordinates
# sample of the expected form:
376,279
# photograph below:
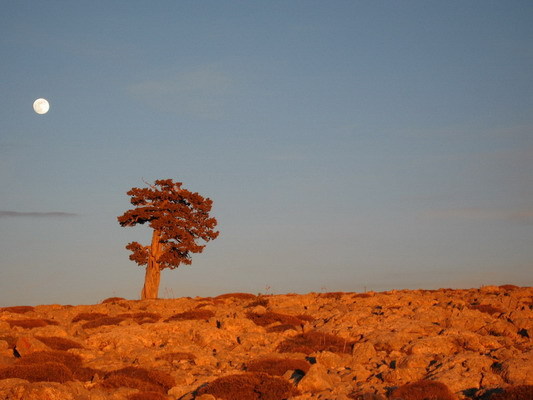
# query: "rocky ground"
449,344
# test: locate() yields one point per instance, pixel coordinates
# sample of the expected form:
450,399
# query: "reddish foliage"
521,392
142,317
277,367
161,380
313,341
102,322
261,301
509,287
332,295
113,300
281,328
178,216
249,386
88,317
362,295
269,318
30,323
71,361
192,314
487,308
17,309
148,396
59,343
423,390
117,381
43,372
243,296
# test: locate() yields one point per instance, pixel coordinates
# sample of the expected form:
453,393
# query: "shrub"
30,323
269,318
71,361
313,341
117,381
332,295
88,317
147,396
486,308
45,372
521,392
281,328
113,300
422,390
142,317
249,386
162,380
243,296
509,287
261,301
277,367
102,322
59,343
192,315
17,309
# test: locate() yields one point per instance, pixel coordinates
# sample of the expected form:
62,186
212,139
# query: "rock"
518,370
316,380
28,344
363,352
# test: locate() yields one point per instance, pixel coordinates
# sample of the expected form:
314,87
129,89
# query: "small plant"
269,318
249,386
277,367
423,390
243,296
310,342
102,322
88,317
142,317
192,315
59,343
177,356
17,309
113,300
30,323
158,379
44,372
486,308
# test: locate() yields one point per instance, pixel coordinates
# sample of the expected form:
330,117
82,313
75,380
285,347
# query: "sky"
346,145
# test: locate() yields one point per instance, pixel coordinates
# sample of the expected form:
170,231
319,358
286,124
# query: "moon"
41,106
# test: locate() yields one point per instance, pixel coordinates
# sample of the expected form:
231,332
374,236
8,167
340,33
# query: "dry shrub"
116,381
148,396
362,295
142,317
44,372
306,318
278,367
113,300
161,380
487,308
88,317
521,392
261,301
332,295
313,341
358,395
102,322
509,287
30,323
243,296
177,356
85,374
269,318
191,315
249,386
71,361
17,309
423,390
59,343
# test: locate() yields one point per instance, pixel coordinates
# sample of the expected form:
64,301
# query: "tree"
179,219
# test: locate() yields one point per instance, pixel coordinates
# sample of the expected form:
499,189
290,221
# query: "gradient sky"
347,145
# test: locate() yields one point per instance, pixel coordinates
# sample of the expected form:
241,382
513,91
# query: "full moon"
41,106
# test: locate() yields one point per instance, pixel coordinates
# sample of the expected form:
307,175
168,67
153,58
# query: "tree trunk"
153,272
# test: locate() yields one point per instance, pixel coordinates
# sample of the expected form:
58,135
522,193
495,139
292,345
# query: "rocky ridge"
475,343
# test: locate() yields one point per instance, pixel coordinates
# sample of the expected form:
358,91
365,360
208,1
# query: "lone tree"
179,219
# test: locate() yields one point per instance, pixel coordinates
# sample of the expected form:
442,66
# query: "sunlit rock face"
315,346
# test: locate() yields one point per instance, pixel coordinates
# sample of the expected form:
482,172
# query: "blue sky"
347,145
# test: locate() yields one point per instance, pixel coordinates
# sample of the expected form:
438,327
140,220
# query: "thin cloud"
51,214
524,217
203,92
